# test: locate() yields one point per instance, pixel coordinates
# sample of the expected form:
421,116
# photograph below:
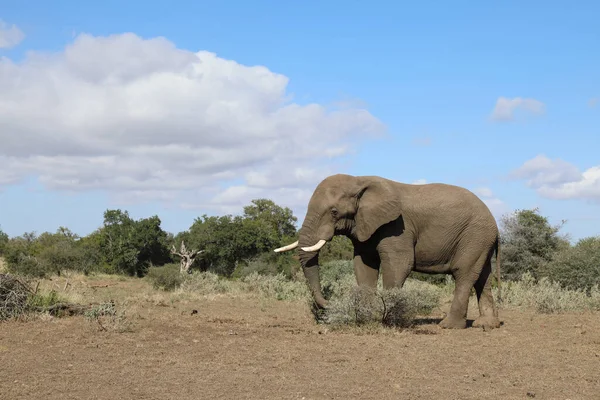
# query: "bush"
394,307
207,283
3,242
166,277
528,243
577,267
275,286
13,297
548,297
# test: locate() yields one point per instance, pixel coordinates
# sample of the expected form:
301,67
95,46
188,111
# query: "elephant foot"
487,322
453,323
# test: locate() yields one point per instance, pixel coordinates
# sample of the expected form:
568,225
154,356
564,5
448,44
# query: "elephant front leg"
366,270
397,261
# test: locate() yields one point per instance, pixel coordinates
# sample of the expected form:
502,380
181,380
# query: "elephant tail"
498,269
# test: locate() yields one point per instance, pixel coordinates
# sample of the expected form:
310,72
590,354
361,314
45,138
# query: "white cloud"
506,108
10,36
483,192
420,182
496,206
145,120
558,179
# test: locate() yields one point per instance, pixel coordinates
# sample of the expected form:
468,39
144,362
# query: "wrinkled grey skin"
397,228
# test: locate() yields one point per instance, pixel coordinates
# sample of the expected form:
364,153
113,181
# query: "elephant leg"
397,261
488,313
396,270
466,270
366,270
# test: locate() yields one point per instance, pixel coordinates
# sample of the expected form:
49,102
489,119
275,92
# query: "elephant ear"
378,204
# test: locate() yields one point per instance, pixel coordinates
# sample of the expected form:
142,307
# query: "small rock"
531,394
194,312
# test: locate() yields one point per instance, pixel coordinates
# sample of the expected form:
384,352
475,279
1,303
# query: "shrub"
44,300
207,283
394,307
166,277
13,297
548,297
577,267
528,243
275,286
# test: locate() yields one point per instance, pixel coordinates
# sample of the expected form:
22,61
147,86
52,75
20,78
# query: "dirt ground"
258,349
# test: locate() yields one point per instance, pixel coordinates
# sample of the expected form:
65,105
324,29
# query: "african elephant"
397,228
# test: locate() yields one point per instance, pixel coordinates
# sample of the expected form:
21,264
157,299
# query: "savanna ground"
185,345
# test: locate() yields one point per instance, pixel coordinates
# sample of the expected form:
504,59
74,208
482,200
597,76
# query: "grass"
350,306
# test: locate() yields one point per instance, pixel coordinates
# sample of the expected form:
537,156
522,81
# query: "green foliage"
48,254
44,300
3,242
130,246
528,243
268,263
281,221
231,243
21,257
577,267
339,248
166,277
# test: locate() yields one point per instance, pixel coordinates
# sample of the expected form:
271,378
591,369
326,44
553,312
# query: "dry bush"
394,307
274,286
108,318
548,297
14,296
207,283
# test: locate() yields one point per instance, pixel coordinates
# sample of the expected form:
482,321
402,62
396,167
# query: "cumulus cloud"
506,108
420,182
10,36
558,179
496,206
145,120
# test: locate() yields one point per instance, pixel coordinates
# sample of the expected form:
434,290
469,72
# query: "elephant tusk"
286,248
315,247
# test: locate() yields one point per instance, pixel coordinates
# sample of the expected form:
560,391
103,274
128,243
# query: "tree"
528,243
132,246
282,220
577,267
230,240
187,257
3,242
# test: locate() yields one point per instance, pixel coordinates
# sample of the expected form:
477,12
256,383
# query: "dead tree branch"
187,257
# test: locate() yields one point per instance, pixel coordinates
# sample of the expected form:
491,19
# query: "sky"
183,108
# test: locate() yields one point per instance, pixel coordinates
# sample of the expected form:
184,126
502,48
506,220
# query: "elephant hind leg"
488,313
466,269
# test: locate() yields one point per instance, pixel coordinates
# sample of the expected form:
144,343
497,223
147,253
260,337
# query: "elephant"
397,228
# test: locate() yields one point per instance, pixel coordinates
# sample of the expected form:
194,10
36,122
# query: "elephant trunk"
312,273
310,262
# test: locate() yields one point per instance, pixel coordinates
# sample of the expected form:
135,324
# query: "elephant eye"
334,212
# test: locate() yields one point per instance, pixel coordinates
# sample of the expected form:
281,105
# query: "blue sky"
499,98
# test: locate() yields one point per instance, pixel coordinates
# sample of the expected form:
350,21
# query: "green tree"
339,248
131,246
3,242
280,219
577,267
231,241
528,243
